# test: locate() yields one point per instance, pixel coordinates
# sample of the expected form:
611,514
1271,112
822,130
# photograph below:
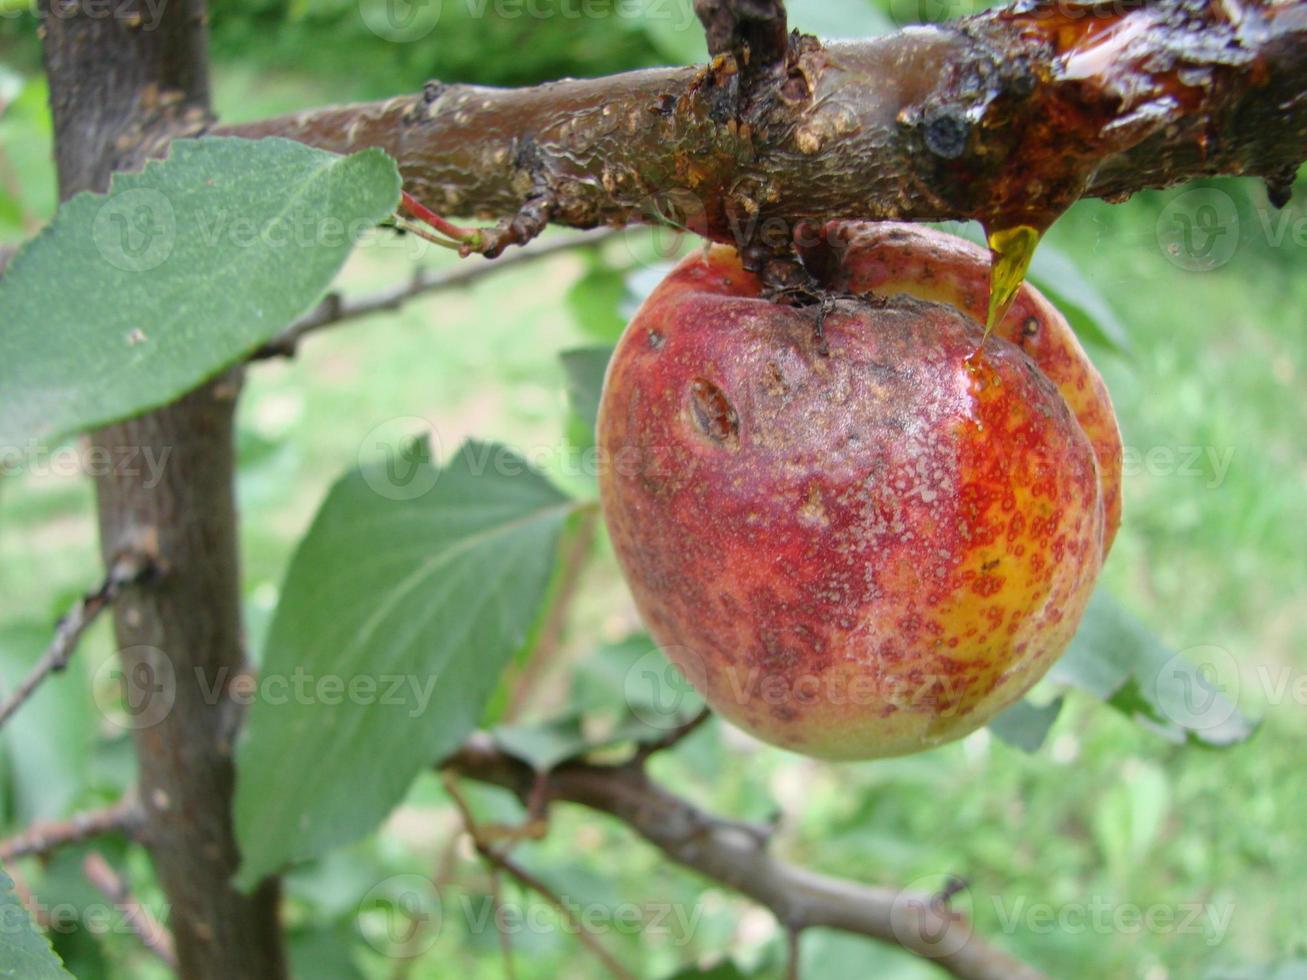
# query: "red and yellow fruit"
870,550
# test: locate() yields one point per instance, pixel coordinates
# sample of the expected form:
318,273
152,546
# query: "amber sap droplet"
1010,252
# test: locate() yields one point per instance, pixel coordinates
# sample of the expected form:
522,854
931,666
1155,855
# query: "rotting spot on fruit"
713,412
1031,326
656,340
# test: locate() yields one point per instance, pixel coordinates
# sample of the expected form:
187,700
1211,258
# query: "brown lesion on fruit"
713,414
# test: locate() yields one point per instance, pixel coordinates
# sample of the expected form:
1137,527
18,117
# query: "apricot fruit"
870,545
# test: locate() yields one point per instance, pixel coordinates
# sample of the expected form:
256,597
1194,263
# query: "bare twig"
128,569
505,940
672,738
737,857
43,837
337,309
502,862
139,919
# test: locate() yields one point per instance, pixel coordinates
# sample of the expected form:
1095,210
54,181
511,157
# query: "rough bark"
737,855
1006,117
118,90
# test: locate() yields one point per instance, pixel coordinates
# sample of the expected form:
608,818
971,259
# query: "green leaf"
24,952
1117,659
1056,276
1025,725
596,301
585,367
411,590
46,773
1080,301
128,300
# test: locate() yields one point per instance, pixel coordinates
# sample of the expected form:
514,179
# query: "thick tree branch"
1006,117
736,855
119,90
128,569
44,837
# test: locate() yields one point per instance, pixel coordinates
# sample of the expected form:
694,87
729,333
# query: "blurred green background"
1212,398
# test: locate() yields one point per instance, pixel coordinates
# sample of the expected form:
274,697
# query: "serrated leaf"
24,952
585,367
128,300
1025,725
1117,659
415,585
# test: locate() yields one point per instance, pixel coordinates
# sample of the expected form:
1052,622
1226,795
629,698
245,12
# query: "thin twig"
737,856
126,570
499,860
672,738
44,836
505,940
792,939
139,919
338,309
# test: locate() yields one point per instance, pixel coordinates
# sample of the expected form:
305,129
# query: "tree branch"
500,861
128,569
336,309
737,857
144,925
43,837
1007,117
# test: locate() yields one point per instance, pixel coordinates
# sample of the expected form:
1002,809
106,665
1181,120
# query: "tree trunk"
120,85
